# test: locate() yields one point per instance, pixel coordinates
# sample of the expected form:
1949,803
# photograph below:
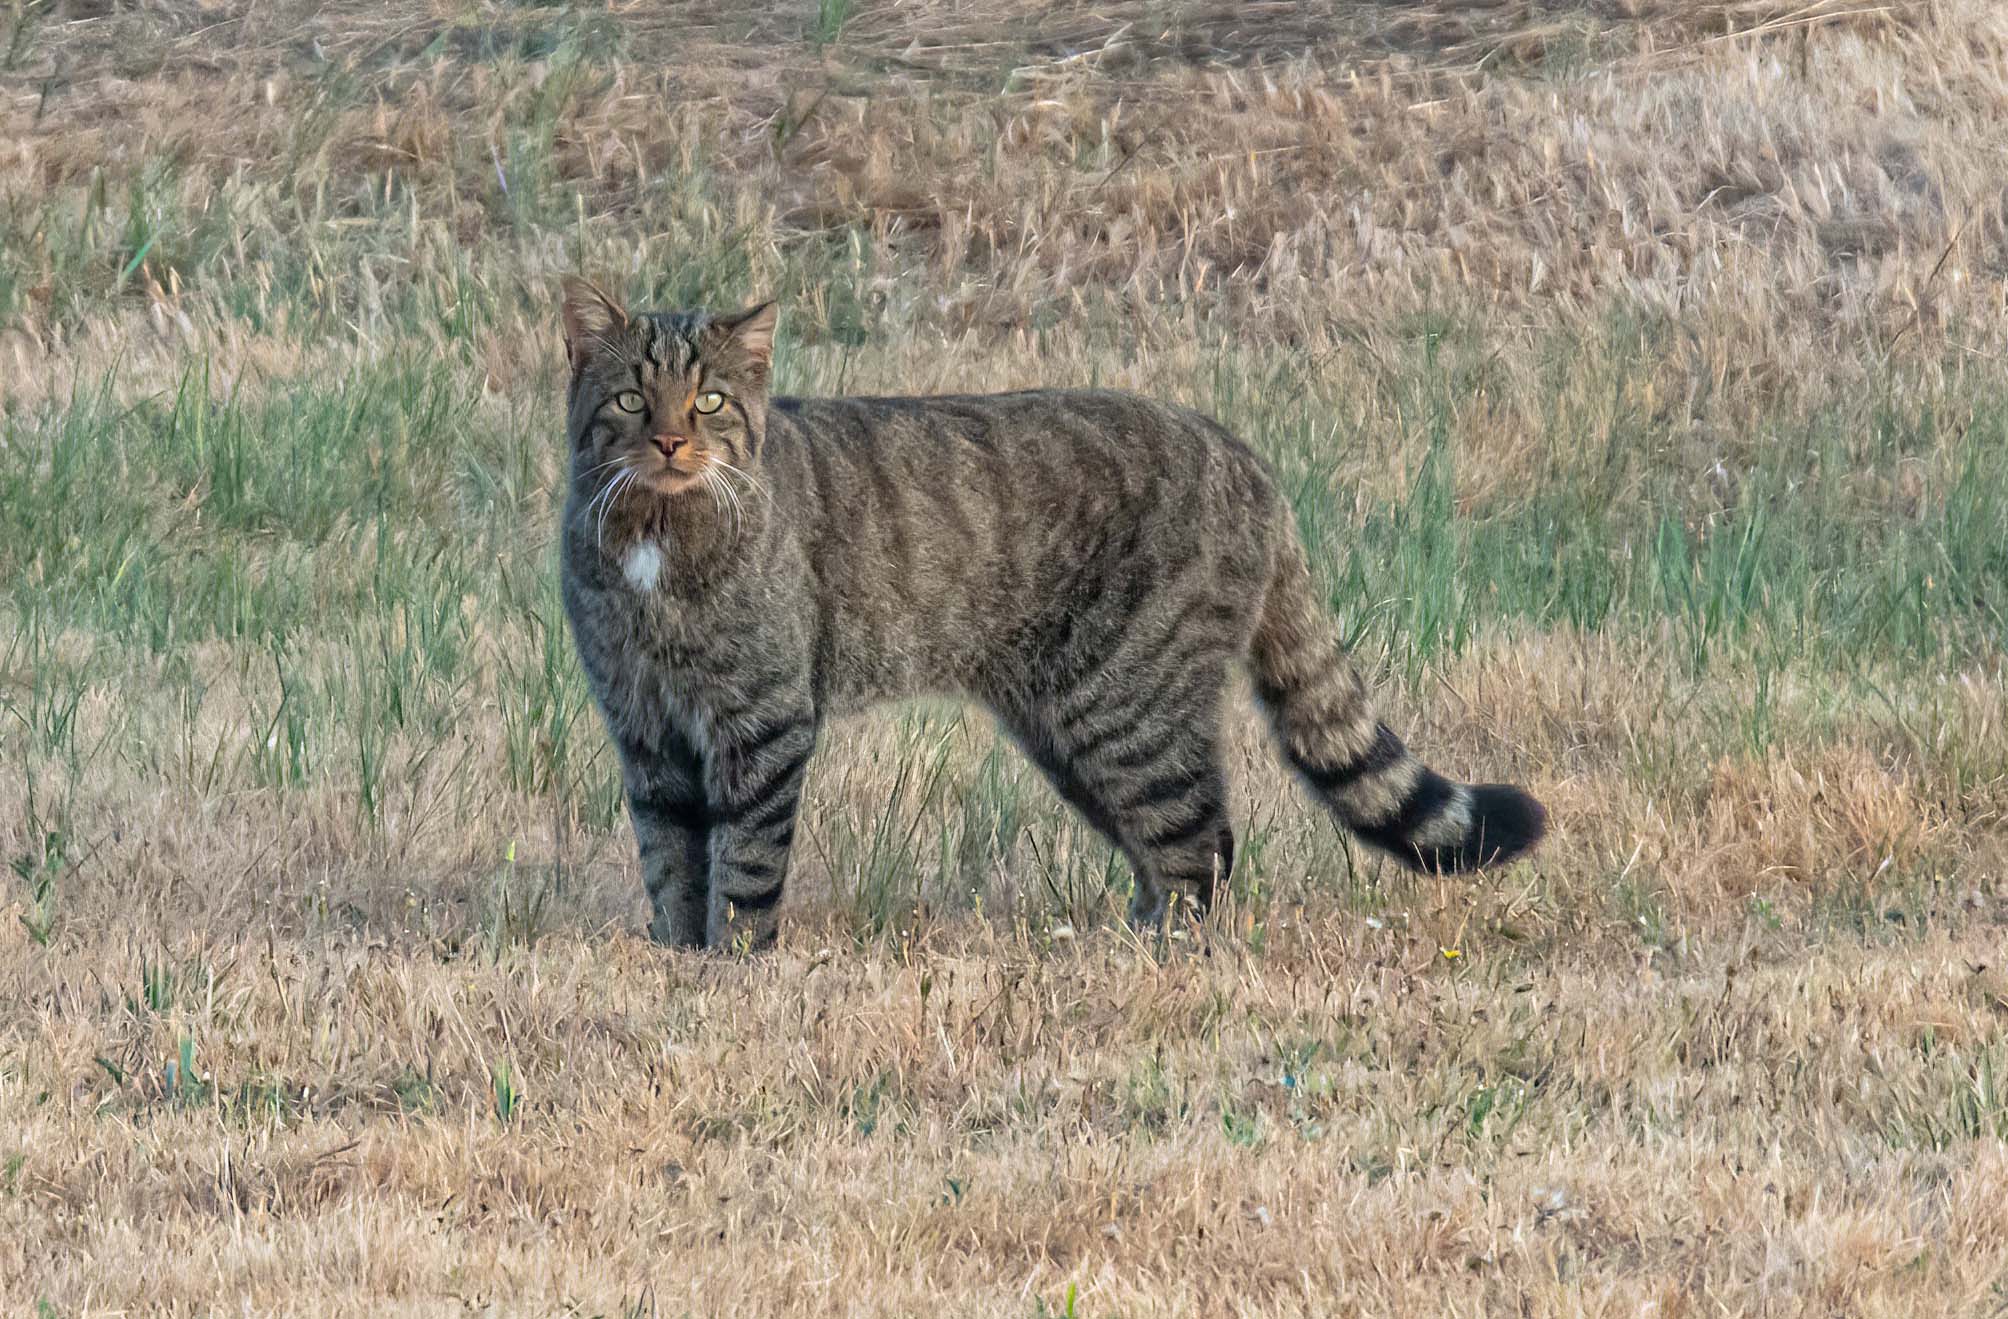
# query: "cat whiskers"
723,496
753,483
605,499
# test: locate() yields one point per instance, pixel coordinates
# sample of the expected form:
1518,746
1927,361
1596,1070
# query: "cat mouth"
674,476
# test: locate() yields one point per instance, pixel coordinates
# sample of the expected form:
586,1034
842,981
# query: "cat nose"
669,444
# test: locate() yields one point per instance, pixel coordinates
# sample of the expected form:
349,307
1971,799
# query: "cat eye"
709,401
628,401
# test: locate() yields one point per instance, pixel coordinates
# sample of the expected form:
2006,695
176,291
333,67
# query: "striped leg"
754,785
665,792
1181,842
1038,748
1147,761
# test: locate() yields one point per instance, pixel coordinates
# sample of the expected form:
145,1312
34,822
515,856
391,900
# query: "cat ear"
753,330
591,318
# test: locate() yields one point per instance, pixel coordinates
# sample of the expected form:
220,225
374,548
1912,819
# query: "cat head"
678,399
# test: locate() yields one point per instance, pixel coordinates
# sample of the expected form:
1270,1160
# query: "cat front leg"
754,776
672,829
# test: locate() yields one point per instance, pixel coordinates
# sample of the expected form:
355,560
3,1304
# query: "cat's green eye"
628,401
709,401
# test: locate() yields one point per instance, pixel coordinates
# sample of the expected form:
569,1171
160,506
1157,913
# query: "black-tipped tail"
1355,764
1506,821
1445,828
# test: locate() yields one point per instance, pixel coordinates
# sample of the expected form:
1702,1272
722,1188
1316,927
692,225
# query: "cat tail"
1355,764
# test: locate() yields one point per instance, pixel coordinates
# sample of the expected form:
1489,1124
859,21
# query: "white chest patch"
643,566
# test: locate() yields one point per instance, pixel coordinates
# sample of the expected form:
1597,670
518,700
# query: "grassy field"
1637,371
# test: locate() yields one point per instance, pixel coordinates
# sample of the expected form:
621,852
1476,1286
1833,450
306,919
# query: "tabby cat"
1087,564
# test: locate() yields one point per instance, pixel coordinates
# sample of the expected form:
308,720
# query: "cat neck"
678,542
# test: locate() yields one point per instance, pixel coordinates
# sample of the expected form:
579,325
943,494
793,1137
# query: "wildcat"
738,567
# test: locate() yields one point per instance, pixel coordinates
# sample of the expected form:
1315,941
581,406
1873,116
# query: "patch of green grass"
1808,557
184,1083
1963,1099
1882,903
158,980
1493,1111
877,866
508,1094
187,517
24,19
38,876
415,1092
1640,907
544,702
1149,1097
517,908
259,1102
876,1104
992,818
829,20
1065,1309
1242,1129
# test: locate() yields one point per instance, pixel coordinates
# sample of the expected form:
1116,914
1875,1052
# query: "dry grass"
970,1124
1635,368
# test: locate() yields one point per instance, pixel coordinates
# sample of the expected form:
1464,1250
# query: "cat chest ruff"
641,566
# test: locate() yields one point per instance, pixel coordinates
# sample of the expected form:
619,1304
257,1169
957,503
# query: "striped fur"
1086,564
